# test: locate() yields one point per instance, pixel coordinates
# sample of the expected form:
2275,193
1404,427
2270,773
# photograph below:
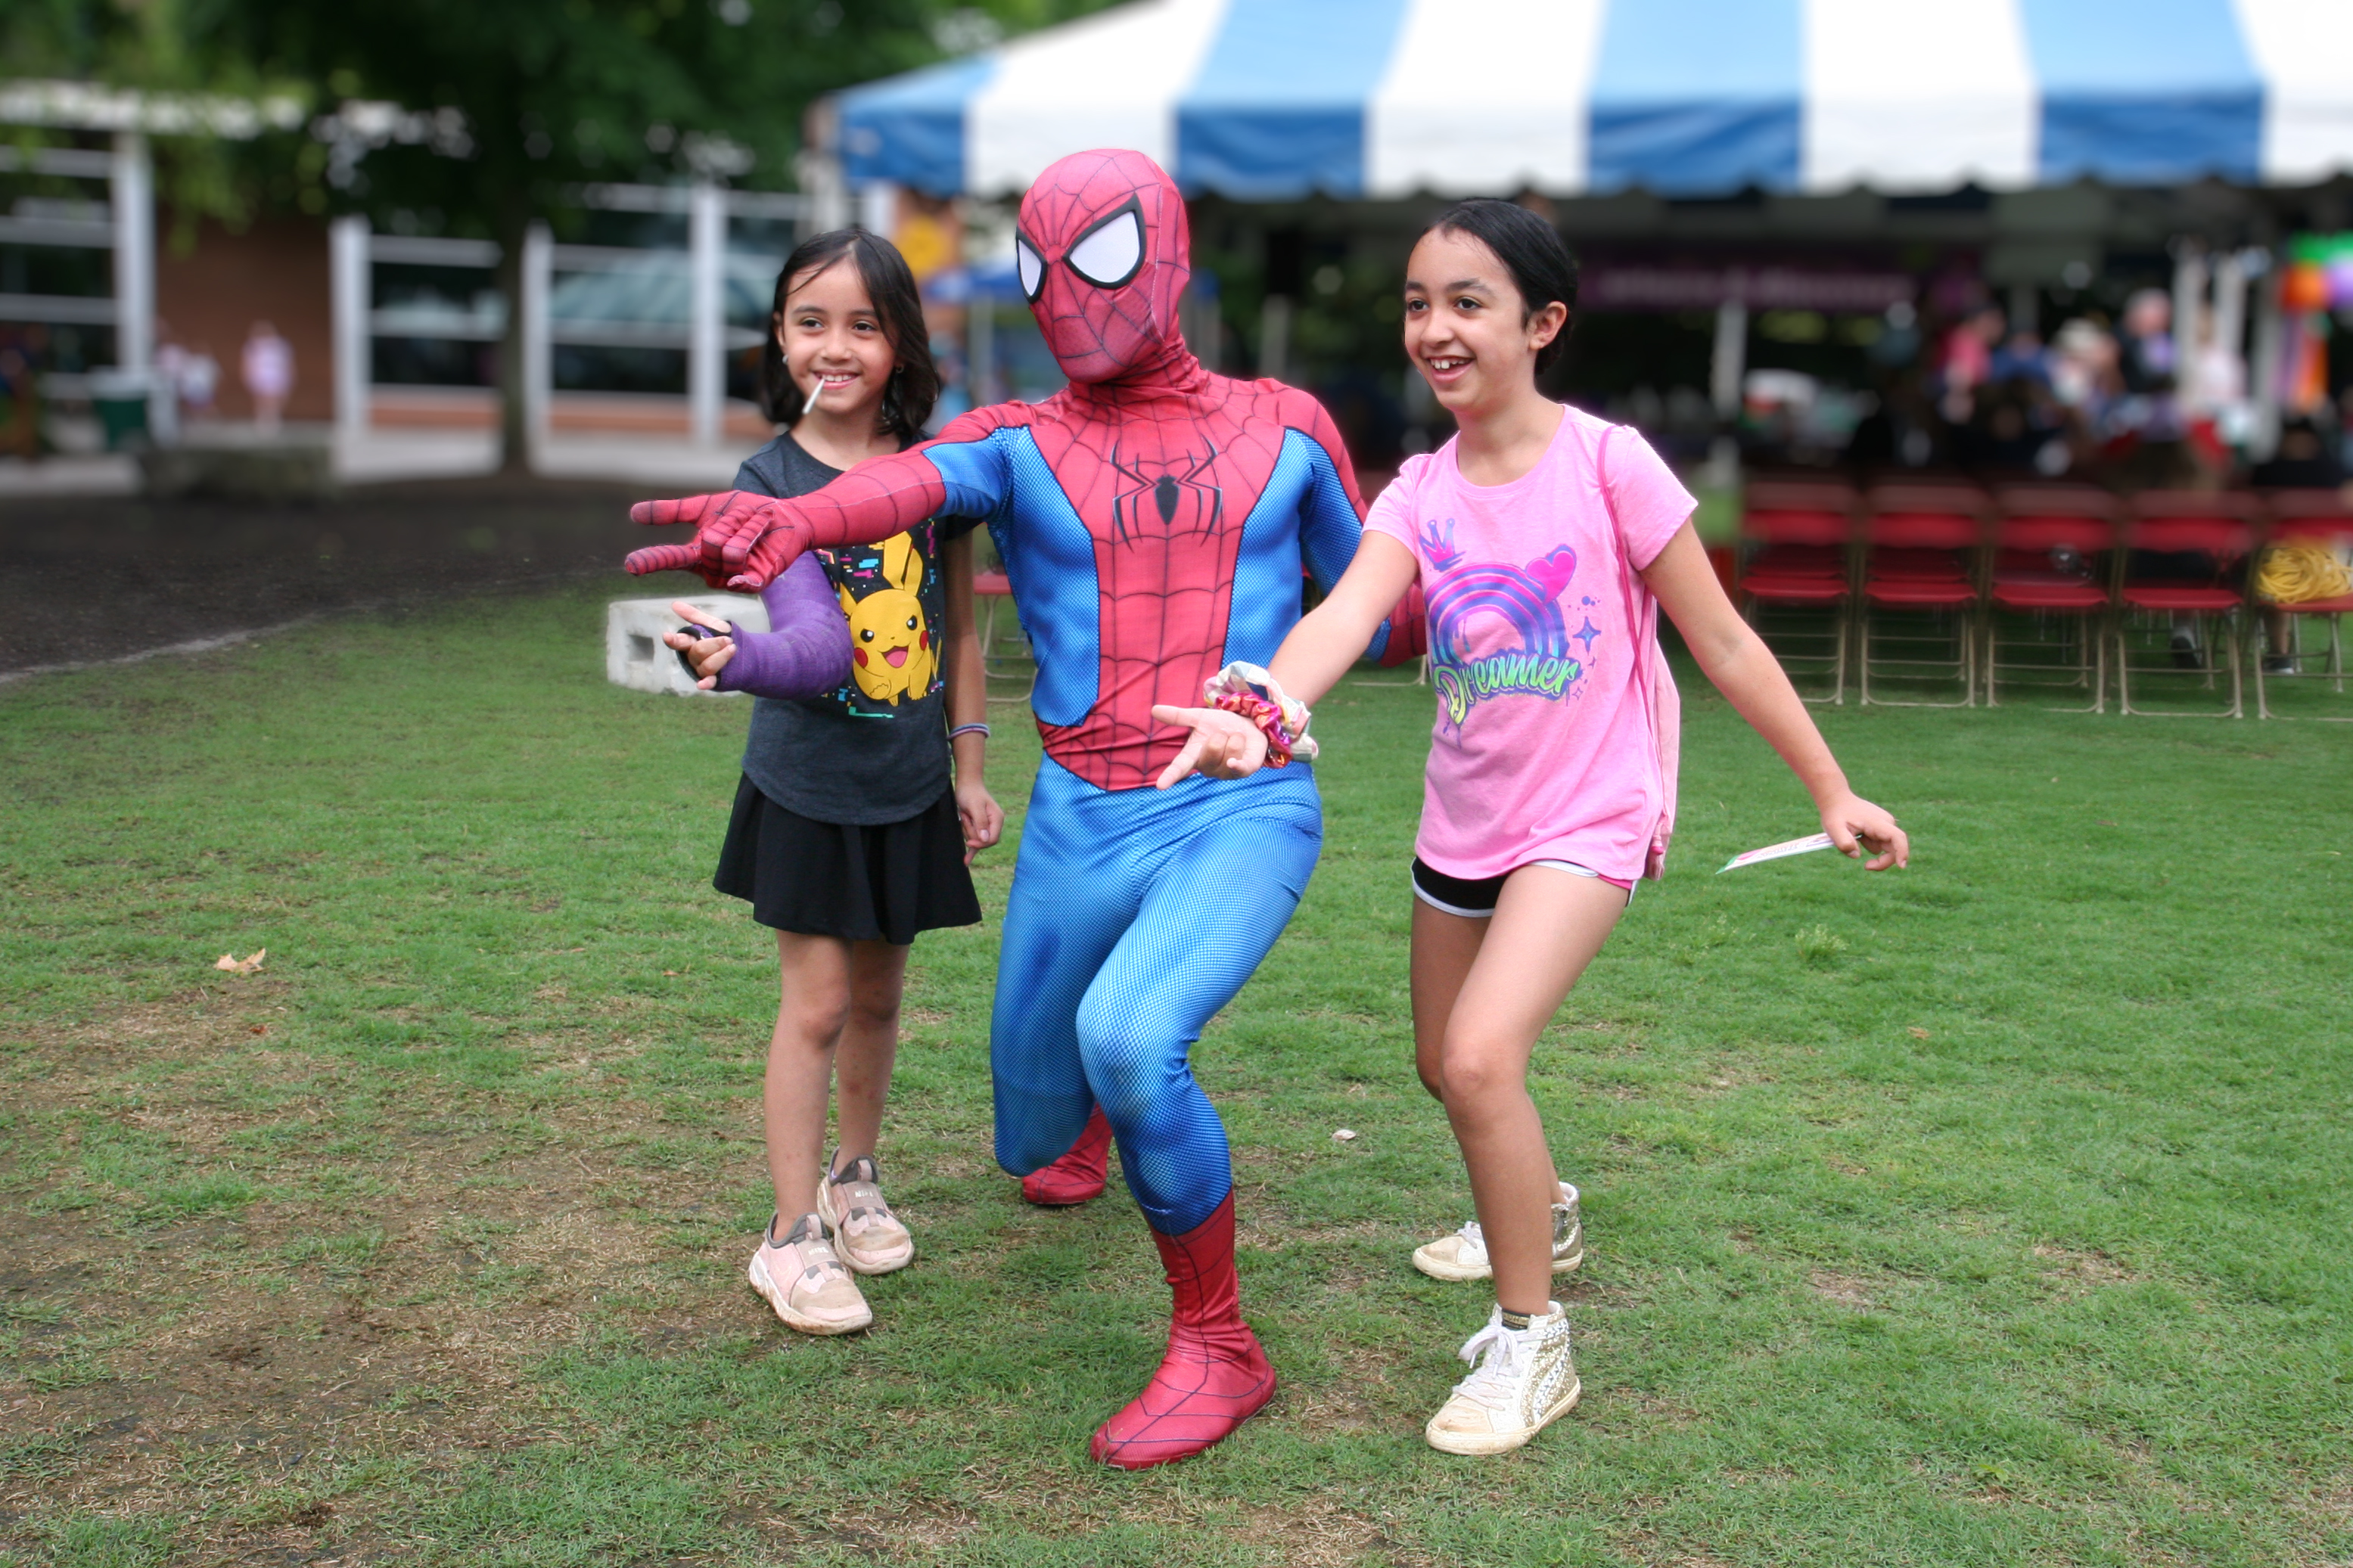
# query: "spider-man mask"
1104,252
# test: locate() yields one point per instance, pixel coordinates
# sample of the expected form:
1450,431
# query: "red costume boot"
1214,1377
1077,1175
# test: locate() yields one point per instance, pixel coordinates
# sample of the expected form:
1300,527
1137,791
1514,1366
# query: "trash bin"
119,398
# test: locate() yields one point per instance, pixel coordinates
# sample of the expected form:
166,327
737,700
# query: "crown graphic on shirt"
1438,543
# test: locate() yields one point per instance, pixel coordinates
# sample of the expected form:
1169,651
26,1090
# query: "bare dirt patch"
2076,1269
220,1290
1843,1289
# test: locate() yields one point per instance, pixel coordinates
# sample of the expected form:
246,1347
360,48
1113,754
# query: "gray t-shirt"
876,751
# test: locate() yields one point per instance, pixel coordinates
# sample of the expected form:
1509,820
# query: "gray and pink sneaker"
869,1236
805,1283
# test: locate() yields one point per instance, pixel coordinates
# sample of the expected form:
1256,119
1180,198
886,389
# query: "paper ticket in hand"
1775,851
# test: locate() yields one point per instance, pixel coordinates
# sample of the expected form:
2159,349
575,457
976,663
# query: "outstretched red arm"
744,539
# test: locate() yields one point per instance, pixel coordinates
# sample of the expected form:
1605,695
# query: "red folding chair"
1806,493
2056,571
2323,517
2218,527
2058,567
1920,555
1797,559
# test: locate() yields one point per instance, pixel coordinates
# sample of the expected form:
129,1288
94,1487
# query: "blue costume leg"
1073,895
1225,874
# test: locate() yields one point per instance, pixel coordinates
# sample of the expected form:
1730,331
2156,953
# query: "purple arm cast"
807,653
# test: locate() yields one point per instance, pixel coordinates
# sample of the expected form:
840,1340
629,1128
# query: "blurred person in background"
267,364
2021,357
20,437
2148,359
2084,366
199,380
1965,361
171,362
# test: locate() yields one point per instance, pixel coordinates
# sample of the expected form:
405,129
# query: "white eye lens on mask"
1031,268
1110,254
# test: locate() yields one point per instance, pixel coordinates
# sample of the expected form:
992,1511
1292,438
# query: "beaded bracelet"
1250,691
979,730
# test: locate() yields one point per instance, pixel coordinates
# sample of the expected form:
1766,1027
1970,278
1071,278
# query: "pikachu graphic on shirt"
890,642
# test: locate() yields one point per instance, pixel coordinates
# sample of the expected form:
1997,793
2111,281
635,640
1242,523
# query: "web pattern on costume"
1165,492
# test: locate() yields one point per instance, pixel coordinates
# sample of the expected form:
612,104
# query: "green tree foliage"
153,45
497,107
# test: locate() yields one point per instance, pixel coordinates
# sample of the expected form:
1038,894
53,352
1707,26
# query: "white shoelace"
1473,1236
1493,1383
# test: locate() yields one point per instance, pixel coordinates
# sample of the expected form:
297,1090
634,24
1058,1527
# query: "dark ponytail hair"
1531,250
915,384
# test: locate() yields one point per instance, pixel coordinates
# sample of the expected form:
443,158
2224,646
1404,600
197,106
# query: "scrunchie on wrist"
1251,692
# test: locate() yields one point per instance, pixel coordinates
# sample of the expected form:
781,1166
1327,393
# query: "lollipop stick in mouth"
816,390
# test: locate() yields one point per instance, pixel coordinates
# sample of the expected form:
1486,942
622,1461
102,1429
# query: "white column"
351,293
706,351
132,195
877,209
828,194
538,353
819,167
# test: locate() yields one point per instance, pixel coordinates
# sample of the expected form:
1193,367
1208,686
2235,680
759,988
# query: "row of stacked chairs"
1973,563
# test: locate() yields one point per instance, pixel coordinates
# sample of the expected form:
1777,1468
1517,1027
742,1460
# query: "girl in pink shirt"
1544,541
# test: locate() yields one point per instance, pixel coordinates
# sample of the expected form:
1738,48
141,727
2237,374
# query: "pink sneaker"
806,1283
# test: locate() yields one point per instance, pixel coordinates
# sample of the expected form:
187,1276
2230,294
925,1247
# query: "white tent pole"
132,196
2263,376
2188,306
980,351
2230,303
351,292
706,351
538,353
1275,337
1730,359
1726,365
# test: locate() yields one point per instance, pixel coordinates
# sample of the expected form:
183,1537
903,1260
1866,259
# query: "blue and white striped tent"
1274,100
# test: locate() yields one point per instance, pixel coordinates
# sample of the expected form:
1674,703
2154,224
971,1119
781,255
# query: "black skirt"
839,880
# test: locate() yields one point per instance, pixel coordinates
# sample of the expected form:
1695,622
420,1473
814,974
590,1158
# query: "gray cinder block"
637,657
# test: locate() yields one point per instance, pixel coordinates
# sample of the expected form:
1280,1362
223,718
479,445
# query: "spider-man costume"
1154,519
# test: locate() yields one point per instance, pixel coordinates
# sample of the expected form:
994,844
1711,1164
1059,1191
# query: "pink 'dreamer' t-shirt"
1557,721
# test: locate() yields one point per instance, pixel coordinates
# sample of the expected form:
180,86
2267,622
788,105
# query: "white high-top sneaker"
1521,1379
1463,1255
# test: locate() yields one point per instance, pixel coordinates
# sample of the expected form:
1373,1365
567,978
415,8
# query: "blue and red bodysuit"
1154,520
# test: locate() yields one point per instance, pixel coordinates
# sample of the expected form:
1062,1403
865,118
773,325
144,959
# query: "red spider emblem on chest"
1167,486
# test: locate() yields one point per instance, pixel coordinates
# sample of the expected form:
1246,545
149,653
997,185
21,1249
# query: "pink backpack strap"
1653,682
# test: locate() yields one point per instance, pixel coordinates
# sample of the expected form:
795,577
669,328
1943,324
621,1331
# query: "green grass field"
1992,1213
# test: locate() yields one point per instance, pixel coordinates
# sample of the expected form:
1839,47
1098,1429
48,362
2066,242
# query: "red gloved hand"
743,539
